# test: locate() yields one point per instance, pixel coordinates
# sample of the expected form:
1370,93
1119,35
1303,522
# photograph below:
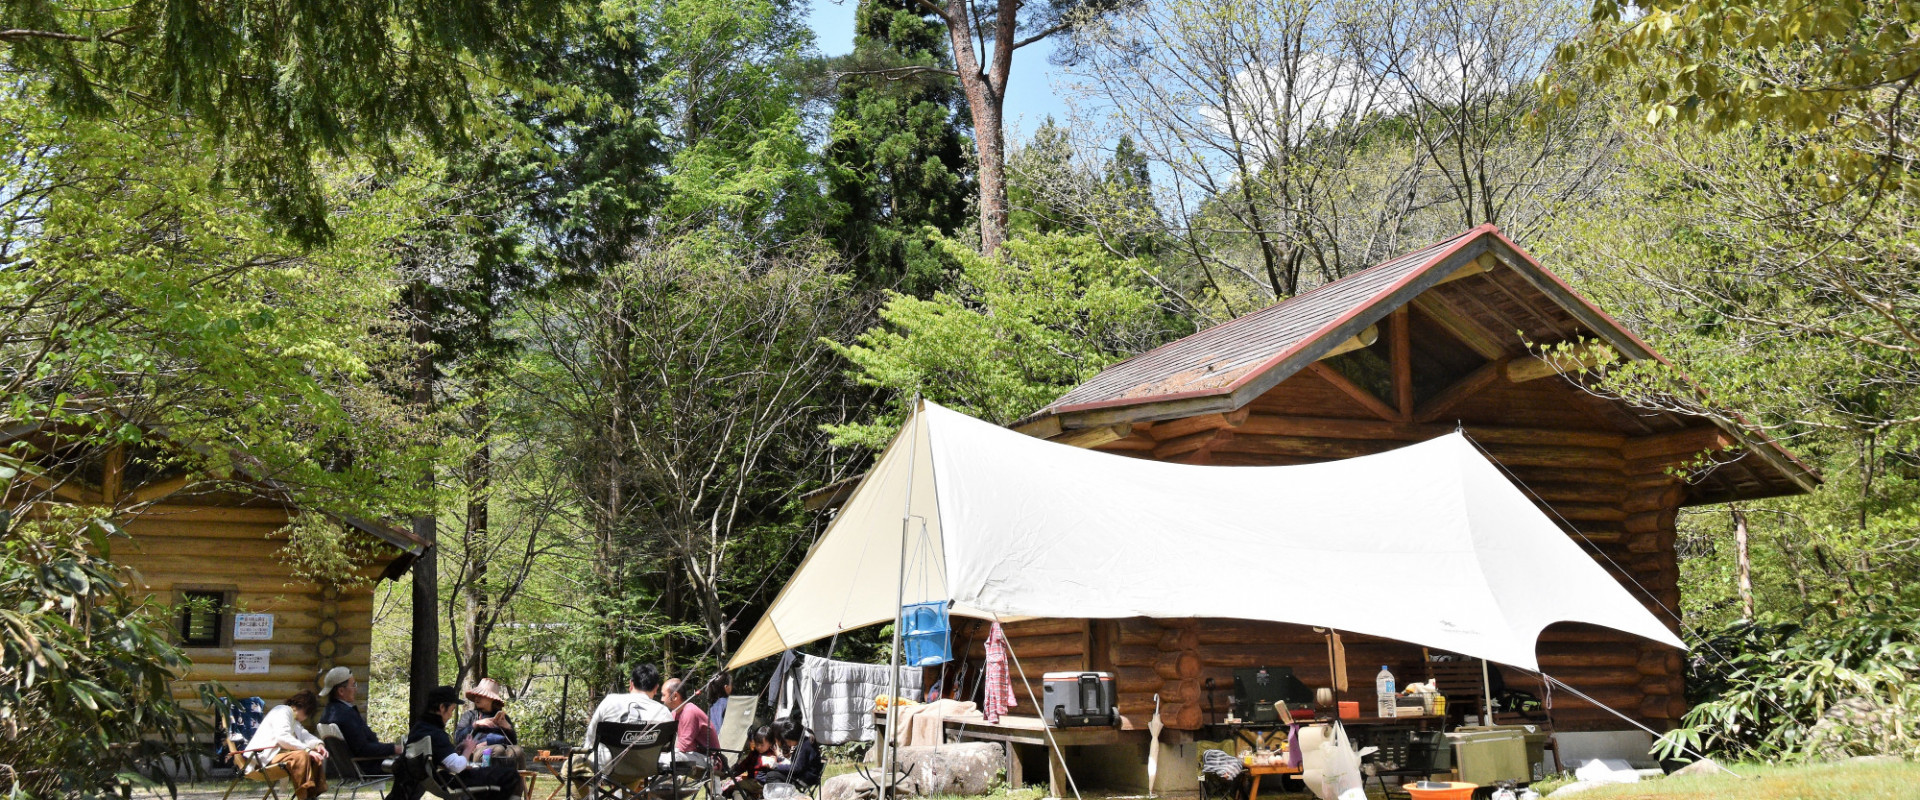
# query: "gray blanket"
836,697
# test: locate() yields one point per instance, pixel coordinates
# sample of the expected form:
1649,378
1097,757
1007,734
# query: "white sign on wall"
251,662
252,627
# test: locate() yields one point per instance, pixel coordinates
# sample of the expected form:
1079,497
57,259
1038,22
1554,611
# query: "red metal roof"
1216,360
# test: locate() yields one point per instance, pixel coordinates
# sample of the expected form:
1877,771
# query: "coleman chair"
636,751
238,722
416,765
347,773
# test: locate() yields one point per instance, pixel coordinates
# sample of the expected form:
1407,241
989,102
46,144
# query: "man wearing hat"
339,690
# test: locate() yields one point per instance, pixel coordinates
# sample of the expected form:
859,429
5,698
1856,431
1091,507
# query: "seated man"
339,690
636,705
695,742
443,703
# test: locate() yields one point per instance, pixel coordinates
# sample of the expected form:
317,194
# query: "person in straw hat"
486,723
339,691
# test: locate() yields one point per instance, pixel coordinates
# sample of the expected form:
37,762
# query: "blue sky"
1030,96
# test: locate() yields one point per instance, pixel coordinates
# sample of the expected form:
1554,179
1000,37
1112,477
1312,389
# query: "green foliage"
1015,332
85,671
1833,77
1778,688
135,279
275,84
896,155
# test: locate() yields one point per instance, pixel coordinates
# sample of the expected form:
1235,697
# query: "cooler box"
1500,753
1487,756
1079,700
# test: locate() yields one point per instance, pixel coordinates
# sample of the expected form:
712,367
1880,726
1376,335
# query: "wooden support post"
1403,364
1460,390
1362,396
113,476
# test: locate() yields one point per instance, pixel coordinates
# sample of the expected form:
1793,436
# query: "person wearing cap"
486,722
443,702
339,691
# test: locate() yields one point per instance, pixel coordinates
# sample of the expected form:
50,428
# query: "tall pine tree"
897,157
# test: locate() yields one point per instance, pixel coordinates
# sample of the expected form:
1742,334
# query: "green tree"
1833,80
1016,331
896,157
345,78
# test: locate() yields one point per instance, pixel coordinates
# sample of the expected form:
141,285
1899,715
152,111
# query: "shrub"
85,676
1778,690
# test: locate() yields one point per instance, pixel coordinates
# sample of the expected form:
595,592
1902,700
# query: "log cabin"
207,554
1455,335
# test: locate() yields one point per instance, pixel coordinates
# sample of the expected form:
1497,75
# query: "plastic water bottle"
1383,688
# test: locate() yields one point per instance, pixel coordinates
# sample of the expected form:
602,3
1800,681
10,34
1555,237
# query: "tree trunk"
423,671
479,489
985,90
1744,565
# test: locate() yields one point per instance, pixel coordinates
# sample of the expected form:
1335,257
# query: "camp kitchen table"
1012,732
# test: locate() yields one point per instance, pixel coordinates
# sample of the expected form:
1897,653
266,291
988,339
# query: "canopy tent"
1428,544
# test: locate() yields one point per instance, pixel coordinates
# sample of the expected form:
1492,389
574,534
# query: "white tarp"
1427,544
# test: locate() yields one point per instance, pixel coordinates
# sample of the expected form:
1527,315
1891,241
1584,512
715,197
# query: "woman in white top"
284,742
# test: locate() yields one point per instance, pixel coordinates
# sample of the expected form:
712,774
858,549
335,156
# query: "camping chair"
416,764
348,773
636,749
238,722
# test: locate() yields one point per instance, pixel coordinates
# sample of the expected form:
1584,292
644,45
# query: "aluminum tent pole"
900,598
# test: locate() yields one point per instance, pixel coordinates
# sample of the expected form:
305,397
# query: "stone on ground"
1705,766
966,768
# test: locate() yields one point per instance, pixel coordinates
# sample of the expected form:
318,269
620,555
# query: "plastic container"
1441,790
1384,694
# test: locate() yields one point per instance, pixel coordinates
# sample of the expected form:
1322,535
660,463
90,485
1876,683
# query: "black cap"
443,695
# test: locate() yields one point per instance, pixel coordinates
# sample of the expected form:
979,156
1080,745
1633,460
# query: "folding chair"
636,749
349,773
416,763
238,722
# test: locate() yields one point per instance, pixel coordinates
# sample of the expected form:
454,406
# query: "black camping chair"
416,765
350,774
636,750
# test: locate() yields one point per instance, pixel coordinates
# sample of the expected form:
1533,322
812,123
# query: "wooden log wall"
1611,488
1041,645
315,628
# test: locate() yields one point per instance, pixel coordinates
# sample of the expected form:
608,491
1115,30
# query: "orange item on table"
1450,791
1349,709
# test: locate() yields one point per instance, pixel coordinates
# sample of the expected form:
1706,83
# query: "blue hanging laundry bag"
924,635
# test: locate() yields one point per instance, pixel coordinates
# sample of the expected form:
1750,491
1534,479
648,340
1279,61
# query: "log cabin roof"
49,440
1490,296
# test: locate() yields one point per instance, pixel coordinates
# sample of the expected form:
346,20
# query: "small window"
203,616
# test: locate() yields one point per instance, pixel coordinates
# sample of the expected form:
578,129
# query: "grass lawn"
1843,781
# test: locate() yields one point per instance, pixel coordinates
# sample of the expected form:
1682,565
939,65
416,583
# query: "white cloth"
281,729
836,697
1005,525
454,762
624,707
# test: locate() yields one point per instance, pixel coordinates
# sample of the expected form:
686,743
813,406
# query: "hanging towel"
925,725
836,697
999,697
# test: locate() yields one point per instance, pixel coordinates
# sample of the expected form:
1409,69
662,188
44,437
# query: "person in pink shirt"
695,741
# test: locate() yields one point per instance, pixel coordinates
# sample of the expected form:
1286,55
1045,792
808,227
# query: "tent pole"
899,599
1486,685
